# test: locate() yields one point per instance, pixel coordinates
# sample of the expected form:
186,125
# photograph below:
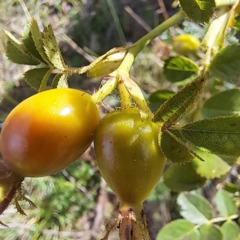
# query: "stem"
145,40
221,219
105,90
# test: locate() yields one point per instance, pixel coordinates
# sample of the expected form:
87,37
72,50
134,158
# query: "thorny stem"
105,90
145,40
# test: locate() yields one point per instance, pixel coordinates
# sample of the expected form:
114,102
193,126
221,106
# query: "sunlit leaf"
179,230
34,77
220,135
214,38
210,232
56,80
195,208
16,56
28,42
37,38
222,104
174,149
45,80
15,42
177,105
179,68
225,65
230,230
181,178
52,49
198,10
212,167
225,203
62,82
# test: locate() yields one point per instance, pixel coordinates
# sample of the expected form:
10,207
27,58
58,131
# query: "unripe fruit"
185,44
128,155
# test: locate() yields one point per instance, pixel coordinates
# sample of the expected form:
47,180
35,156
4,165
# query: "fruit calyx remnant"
132,223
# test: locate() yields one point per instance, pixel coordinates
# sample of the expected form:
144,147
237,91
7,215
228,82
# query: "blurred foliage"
70,204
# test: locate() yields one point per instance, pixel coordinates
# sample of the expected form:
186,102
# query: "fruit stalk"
133,223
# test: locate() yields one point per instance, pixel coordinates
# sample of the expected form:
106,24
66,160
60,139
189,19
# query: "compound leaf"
195,208
35,77
225,65
220,135
28,42
174,149
52,49
16,56
178,230
177,105
37,38
209,232
230,230
179,68
222,104
198,10
213,167
225,204
62,82
181,178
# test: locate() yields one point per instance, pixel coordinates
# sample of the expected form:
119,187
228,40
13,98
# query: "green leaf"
225,204
225,65
156,99
37,38
178,230
195,208
28,42
198,10
52,49
15,42
222,104
177,105
35,77
230,230
174,149
213,167
181,178
62,83
56,80
179,68
16,56
210,232
220,135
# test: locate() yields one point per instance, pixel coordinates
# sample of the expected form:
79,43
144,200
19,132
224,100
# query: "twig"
79,50
25,9
100,207
163,8
137,18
